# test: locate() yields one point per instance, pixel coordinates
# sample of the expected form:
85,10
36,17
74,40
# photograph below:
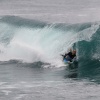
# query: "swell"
18,21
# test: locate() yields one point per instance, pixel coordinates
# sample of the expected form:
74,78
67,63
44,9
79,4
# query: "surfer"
70,56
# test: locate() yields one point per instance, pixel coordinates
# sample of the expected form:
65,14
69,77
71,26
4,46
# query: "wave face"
32,41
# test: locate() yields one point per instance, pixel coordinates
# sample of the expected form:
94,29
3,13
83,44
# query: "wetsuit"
69,56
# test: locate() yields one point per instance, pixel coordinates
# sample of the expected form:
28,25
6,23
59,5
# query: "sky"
61,11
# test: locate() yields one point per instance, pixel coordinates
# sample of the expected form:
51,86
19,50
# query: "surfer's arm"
74,59
64,55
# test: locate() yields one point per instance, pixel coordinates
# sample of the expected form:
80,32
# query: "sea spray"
44,42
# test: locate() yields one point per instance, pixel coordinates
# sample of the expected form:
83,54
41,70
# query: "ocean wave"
32,41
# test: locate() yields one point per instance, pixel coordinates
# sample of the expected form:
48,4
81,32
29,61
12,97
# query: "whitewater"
40,41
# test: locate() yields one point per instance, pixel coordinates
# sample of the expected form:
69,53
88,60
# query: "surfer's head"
74,52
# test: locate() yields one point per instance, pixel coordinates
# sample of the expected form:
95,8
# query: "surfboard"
67,61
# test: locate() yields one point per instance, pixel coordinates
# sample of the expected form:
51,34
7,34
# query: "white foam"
43,44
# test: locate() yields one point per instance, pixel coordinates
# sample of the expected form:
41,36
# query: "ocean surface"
34,34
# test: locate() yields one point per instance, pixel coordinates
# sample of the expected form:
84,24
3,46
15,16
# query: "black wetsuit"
70,56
